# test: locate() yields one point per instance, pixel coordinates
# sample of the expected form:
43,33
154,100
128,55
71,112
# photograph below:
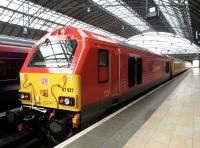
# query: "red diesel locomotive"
71,75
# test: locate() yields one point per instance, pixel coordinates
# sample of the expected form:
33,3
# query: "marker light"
25,77
64,79
61,100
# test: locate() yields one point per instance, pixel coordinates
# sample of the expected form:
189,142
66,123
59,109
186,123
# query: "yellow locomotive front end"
52,101
56,91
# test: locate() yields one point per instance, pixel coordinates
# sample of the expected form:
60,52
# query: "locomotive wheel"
65,134
57,138
57,131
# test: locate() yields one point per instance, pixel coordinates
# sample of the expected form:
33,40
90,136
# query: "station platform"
167,117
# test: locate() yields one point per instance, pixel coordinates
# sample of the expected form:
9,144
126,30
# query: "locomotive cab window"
102,65
57,53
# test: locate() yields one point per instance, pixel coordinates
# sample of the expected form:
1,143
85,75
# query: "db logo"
44,81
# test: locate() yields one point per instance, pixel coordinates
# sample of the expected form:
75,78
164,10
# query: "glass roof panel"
172,12
120,10
14,5
44,27
164,43
5,3
30,15
1,10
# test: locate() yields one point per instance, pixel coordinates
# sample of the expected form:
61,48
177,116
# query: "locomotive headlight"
24,96
66,101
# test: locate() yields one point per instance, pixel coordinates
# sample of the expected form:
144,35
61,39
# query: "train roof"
122,43
96,36
15,41
170,57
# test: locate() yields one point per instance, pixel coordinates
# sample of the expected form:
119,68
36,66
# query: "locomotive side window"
103,58
131,72
167,67
139,70
102,65
8,69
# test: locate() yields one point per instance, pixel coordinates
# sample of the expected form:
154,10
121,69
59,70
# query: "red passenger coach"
81,74
13,51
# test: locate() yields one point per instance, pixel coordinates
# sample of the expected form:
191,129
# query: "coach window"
131,72
139,70
167,67
103,65
8,69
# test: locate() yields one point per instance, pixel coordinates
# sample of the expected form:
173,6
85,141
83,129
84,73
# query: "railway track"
9,137
25,139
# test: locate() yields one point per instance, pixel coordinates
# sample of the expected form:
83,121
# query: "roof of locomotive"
92,35
15,41
120,43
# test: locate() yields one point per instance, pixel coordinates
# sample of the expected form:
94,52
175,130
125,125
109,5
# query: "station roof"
164,43
120,19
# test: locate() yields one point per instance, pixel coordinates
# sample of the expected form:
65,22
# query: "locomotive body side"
109,80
